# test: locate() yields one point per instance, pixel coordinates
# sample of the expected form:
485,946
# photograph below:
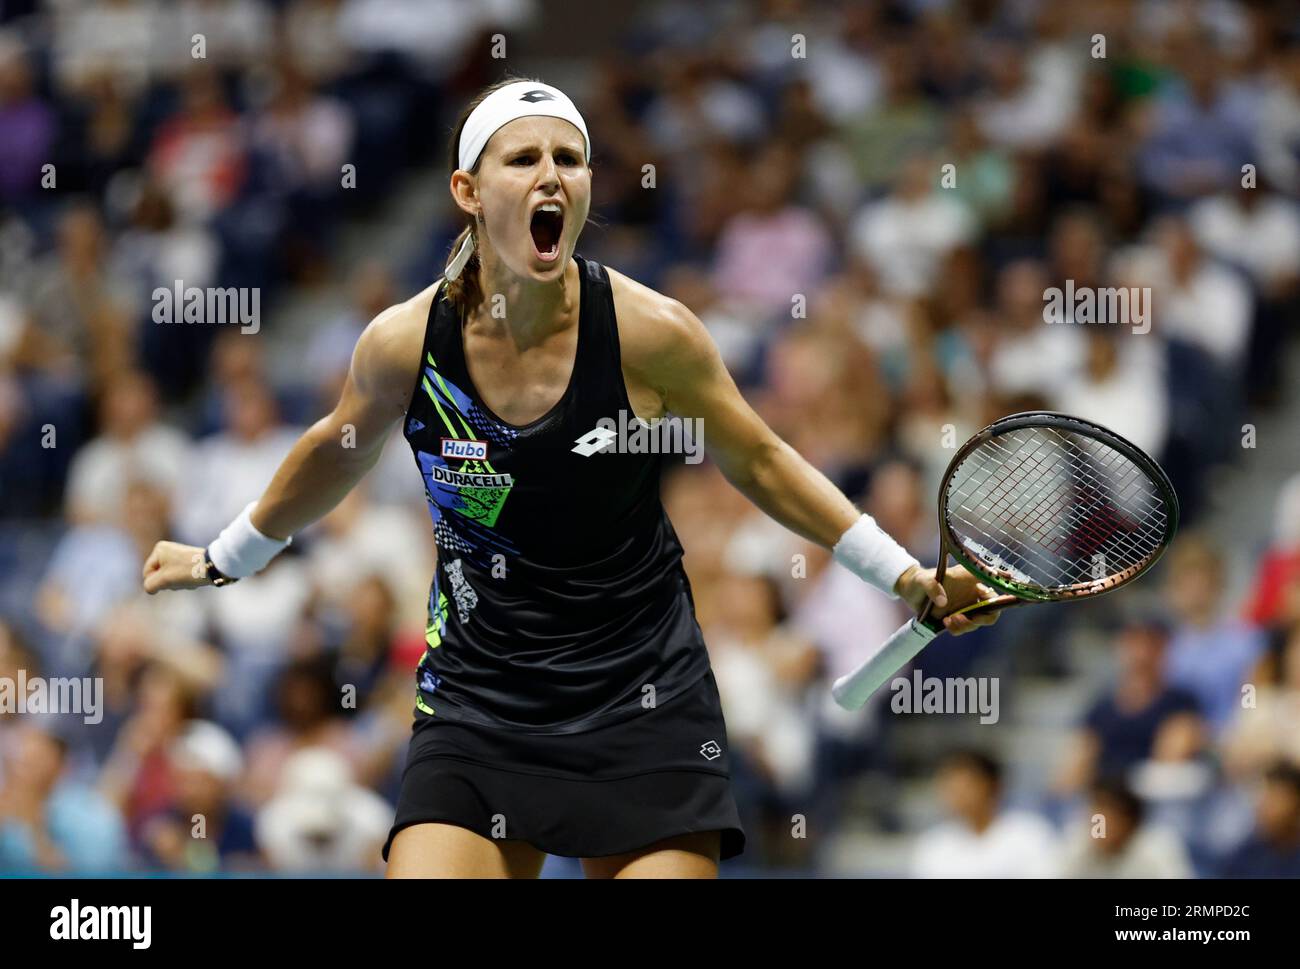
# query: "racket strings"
1090,523
1055,510
1032,566
1032,470
1022,484
1099,520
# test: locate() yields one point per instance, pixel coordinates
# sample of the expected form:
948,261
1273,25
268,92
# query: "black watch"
214,574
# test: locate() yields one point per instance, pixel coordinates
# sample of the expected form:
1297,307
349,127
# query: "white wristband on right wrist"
868,552
241,550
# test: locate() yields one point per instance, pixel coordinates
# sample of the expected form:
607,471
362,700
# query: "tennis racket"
1045,508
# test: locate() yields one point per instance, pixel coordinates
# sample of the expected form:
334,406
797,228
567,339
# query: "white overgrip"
853,689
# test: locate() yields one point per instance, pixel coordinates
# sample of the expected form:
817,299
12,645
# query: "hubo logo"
952,694
453,447
214,304
131,923
37,694
631,435
1127,305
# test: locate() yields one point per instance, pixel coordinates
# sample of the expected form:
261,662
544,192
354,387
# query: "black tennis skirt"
612,789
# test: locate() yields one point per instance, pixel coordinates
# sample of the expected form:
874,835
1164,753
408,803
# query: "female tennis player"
564,703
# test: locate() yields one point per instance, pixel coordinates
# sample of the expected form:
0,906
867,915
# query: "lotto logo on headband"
453,447
521,99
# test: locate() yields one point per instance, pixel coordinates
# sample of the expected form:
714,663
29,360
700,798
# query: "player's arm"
672,352
321,468
339,449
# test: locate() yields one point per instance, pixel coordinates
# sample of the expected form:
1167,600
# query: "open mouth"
546,225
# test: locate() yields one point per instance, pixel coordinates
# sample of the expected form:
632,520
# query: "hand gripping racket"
1045,508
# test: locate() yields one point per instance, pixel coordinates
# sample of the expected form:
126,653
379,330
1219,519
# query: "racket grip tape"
853,689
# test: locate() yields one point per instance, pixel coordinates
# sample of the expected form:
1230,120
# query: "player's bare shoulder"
387,355
657,334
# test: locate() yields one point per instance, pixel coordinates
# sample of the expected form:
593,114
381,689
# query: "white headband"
523,99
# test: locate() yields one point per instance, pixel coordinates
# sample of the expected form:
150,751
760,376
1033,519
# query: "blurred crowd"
865,203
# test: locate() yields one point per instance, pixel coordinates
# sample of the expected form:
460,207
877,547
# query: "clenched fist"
174,566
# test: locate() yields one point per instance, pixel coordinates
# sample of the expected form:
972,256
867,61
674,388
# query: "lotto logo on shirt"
465,450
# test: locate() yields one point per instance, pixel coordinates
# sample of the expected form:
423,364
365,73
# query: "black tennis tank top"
559,596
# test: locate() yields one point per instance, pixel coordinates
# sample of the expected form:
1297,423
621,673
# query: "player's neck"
524,309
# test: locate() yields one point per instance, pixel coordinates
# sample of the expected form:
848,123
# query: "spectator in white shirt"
1033,98
906,236
1255,230
239,33
231,468
361,538
121,37
1278,133
1115,843
321,819
434,35
982,840
763,671
315,39
133,444
1119,384
1031,356
1197,299
1259,233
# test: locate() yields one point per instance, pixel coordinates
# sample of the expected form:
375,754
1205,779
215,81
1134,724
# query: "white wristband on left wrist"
241,550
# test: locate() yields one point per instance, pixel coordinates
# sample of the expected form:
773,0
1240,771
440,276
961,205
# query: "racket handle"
852,690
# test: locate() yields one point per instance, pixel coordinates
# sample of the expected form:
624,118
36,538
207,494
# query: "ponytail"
463,291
